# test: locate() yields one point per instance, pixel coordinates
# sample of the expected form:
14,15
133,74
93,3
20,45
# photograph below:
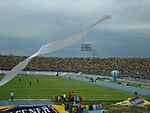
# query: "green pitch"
44,87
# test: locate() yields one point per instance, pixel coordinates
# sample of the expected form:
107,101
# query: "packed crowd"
133,67
79,107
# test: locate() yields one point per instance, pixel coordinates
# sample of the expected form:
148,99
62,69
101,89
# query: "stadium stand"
128,67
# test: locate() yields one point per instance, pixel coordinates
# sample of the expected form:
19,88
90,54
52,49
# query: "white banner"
51,47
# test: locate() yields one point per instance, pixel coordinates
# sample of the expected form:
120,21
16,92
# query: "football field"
44,87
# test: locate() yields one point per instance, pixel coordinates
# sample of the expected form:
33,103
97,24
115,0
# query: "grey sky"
25,25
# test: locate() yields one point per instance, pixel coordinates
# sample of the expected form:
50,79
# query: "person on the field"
30,83
19,79
37,80
57,74
135,93
11,96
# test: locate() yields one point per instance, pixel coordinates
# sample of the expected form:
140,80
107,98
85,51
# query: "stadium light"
92,51
88,47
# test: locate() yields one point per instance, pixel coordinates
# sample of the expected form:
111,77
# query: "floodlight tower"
92,51
88,47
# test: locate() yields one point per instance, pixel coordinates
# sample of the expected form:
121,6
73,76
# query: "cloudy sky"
25,25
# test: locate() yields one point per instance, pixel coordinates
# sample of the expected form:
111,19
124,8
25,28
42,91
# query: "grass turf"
44,87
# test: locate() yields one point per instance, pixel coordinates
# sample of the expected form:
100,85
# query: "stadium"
79,56
65,76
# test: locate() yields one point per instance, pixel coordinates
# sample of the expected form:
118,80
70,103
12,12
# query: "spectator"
94,106
137,68
86,107
90,106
